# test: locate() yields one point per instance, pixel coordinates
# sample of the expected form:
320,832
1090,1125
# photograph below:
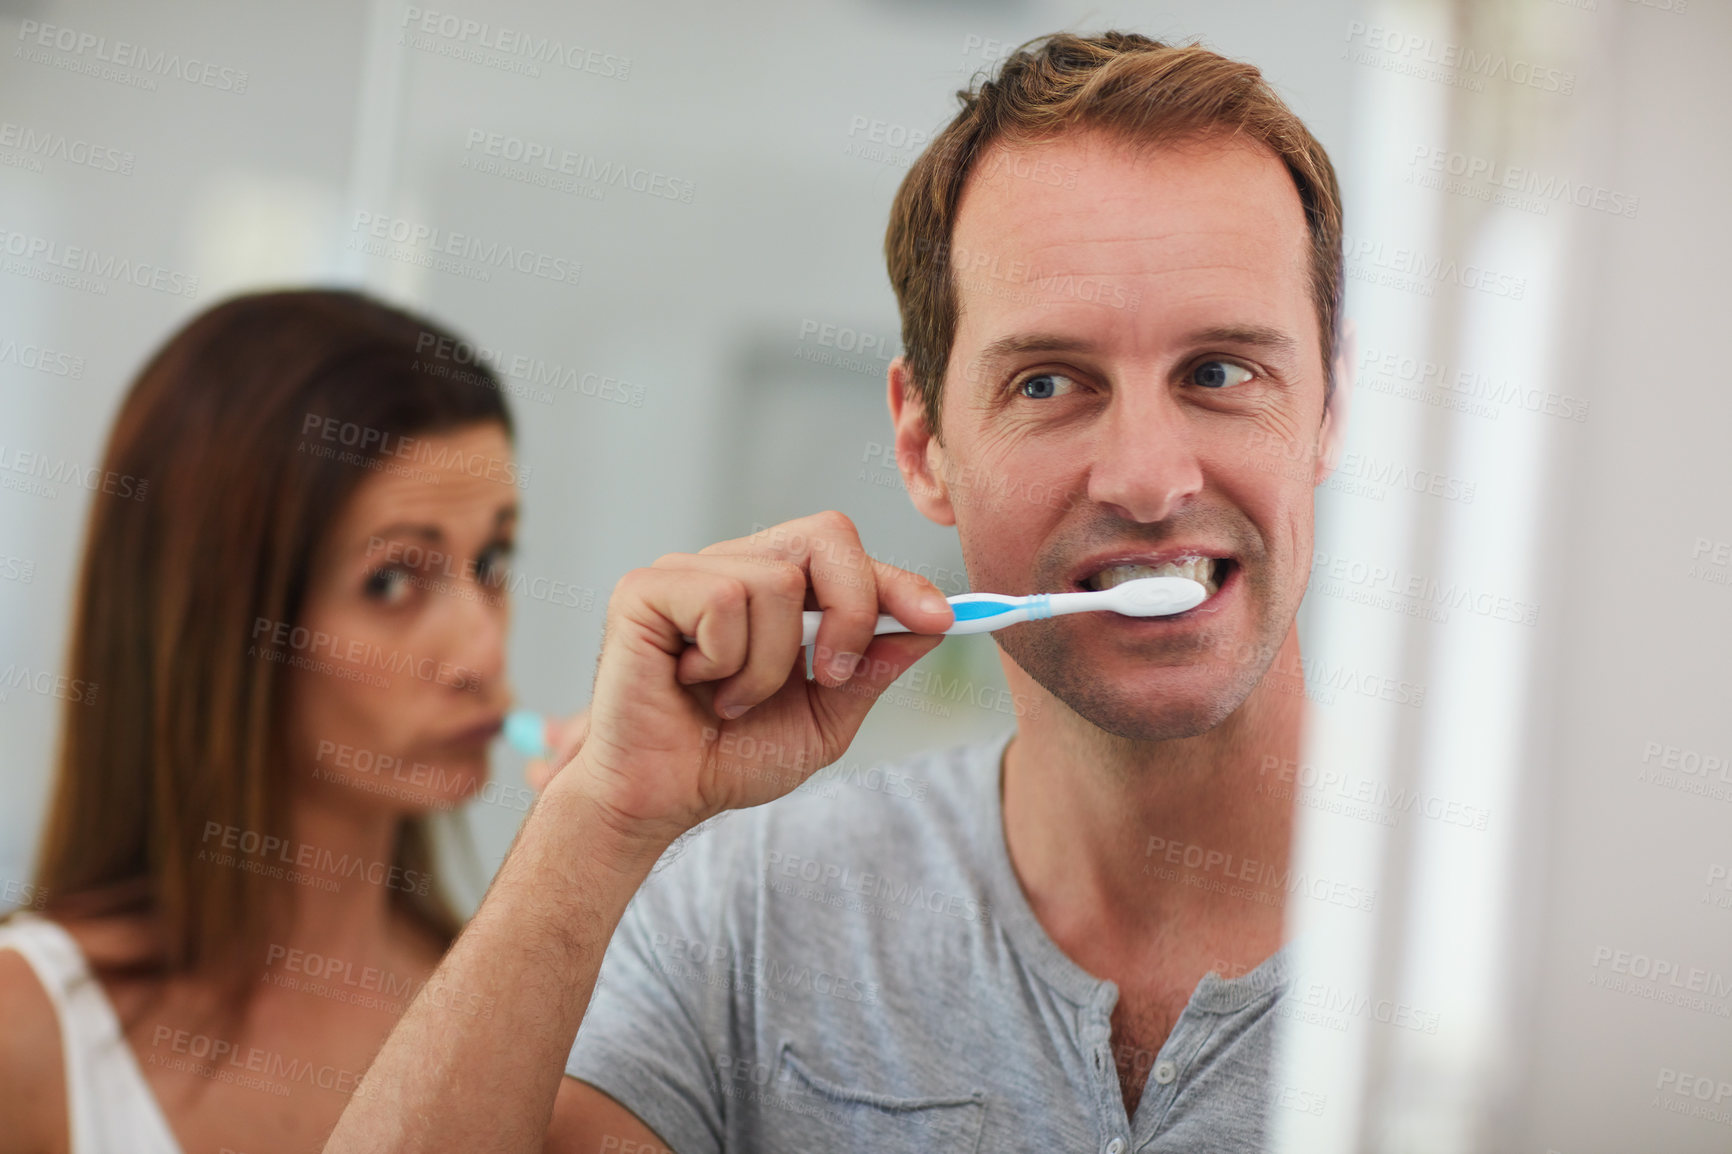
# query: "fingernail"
730,711
842,666
933,605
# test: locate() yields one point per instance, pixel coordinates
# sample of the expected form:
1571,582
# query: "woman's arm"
32,1085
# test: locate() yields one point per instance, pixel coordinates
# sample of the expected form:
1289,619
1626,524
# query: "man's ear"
919,456
1332,433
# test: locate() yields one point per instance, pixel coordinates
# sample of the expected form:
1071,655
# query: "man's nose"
1145,463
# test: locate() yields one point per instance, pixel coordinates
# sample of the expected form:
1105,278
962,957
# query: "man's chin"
1163,698
1138,717
1148,703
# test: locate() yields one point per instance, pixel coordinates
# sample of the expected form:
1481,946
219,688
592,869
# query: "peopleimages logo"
270,855
463,254
535,372
349,658
90,268
1386,586
768,974
432,453
484,43
40,359
1711,561
39,474
1666,980
1513,184
1020,281
1413,270
1387,371
554,160
221,1060
45,145
825,876
1376,800
91,51
1416,49
46,683
1266,881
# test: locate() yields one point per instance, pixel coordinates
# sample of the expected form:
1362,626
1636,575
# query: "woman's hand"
564,738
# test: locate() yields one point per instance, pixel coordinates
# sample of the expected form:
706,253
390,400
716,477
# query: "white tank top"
109,1106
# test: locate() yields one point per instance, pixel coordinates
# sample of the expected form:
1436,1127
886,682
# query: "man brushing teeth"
1119,275
1206,571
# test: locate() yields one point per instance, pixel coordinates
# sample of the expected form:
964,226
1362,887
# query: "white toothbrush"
975,613
989,612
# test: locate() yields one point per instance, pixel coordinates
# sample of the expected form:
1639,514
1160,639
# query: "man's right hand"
676,733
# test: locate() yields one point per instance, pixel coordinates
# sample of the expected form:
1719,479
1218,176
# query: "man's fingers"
912,599
748,635
776,594
852,596
669,603
845,587
848,585
840,710
826,548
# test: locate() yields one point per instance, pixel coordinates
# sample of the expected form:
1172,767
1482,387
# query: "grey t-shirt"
855,967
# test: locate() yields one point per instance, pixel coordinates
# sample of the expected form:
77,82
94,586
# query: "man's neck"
1125,843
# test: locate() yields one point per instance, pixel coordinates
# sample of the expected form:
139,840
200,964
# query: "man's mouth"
1208,572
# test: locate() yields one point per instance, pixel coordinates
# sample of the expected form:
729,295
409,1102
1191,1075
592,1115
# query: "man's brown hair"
1139,89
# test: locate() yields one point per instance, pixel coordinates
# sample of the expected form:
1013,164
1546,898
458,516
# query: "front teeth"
1198,569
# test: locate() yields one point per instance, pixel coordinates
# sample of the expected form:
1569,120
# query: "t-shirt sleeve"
654,1028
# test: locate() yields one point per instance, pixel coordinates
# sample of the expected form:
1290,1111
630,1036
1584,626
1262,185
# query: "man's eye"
1039,388
1220,374
389,586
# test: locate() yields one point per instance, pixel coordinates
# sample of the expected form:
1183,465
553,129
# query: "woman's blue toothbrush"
526,730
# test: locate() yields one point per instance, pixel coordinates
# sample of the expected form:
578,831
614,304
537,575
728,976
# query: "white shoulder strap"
109,1105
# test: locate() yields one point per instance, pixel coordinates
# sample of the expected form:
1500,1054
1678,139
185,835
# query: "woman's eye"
494,566
389,586
1220,374
1045,385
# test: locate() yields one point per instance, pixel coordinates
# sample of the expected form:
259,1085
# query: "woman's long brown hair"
185,728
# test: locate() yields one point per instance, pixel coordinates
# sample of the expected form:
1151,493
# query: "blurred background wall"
1520,618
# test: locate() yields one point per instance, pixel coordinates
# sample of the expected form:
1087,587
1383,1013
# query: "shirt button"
1116,1146
1165,1072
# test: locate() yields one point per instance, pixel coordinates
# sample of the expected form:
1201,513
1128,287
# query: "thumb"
843,708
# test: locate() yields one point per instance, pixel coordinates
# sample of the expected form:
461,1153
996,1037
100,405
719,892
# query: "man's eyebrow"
1015,343
1255,336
